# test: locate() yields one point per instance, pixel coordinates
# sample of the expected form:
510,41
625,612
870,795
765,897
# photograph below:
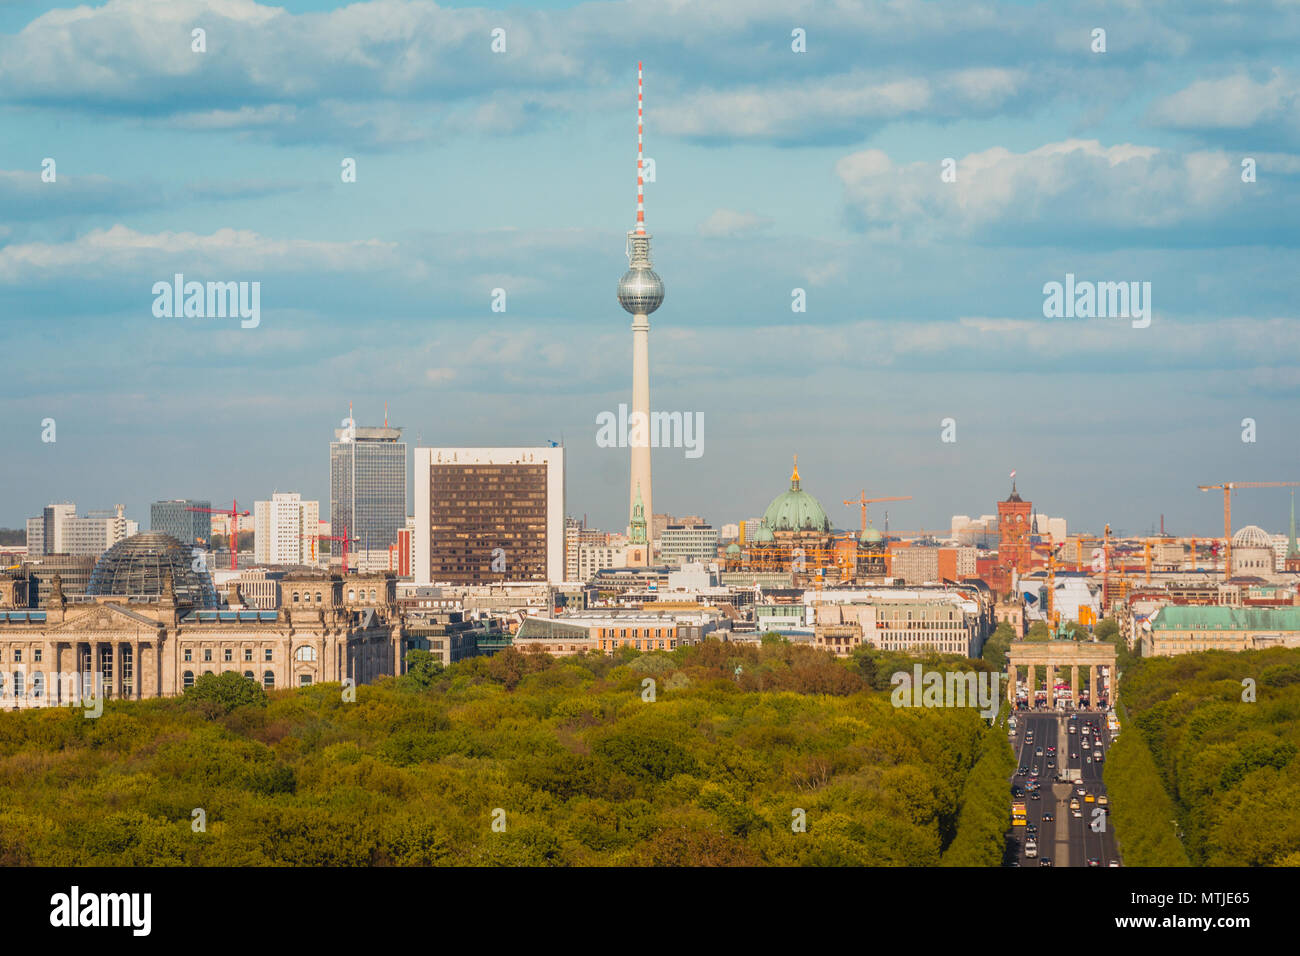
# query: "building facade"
688,542
188,527
368,487
486,515
329,629
285,530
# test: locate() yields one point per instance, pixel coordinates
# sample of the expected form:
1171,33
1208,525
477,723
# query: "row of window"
304,653
352,596
18,655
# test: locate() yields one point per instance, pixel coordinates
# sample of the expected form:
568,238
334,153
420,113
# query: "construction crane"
333,537
863,500
234,514
1228,487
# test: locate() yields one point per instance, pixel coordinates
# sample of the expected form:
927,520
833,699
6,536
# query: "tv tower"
640,292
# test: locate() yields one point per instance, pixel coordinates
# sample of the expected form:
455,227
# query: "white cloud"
1232,102
723,223
1068,189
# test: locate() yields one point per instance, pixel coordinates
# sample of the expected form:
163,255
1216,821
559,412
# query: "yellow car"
1089,798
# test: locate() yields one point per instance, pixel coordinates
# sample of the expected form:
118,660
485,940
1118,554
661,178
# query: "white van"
1031,848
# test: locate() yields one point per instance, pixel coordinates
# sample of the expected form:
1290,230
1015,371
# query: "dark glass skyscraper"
187,527
368,486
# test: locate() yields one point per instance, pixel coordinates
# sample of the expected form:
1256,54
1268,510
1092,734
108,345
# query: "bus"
1018,815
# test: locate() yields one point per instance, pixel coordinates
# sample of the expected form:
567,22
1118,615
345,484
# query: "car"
1045,861
1089,798
1089,760
1113,863
1017,792
1047,816
1031,830
1037,770
1081,790
1022,771
1093,861
1074,755
1035,795
1103,799
1097,753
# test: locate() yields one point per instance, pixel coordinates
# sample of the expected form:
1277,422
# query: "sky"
821,170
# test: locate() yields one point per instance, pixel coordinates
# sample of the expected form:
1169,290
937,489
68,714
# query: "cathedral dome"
796,510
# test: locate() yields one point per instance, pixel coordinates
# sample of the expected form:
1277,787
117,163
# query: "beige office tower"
640,292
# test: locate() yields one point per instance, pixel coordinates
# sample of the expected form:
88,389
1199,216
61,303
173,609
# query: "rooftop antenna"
385,414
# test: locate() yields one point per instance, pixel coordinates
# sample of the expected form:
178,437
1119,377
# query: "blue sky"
776,170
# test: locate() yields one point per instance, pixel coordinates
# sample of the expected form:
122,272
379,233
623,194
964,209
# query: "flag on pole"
1013,474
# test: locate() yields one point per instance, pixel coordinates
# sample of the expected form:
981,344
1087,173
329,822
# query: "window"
267,656
20,684
248,656
304,680
36,655
38,684
189,655
207,654
187,680
18,655
318,600
295,597
229,655
268,680
249,675
305,653
352,595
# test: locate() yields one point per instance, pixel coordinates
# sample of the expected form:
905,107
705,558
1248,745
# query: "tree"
215,695
422,669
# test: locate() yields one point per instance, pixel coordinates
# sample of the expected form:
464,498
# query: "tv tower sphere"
640,291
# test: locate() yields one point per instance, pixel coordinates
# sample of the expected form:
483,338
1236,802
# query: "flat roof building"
485,515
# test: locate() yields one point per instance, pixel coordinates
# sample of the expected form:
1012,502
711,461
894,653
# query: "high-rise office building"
188,527
285,530
368,487
489,514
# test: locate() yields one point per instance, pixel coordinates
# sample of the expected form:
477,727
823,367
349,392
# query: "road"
1066,840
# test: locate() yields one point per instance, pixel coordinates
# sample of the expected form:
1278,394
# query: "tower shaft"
640,424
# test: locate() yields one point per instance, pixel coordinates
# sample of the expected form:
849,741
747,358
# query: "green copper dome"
870,536
796,510
733,549
764,534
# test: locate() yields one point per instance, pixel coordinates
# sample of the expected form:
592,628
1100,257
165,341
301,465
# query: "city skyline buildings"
762,202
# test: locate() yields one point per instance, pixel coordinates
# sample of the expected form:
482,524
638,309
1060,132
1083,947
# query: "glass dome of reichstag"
138,567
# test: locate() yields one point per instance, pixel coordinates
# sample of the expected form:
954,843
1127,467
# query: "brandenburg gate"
1053,654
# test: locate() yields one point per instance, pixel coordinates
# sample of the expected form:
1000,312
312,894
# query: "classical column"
116,652
1092,686
1051,685
1074,684
1030,678
1011,684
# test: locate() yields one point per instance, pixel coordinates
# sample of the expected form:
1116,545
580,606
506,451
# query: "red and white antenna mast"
640,167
